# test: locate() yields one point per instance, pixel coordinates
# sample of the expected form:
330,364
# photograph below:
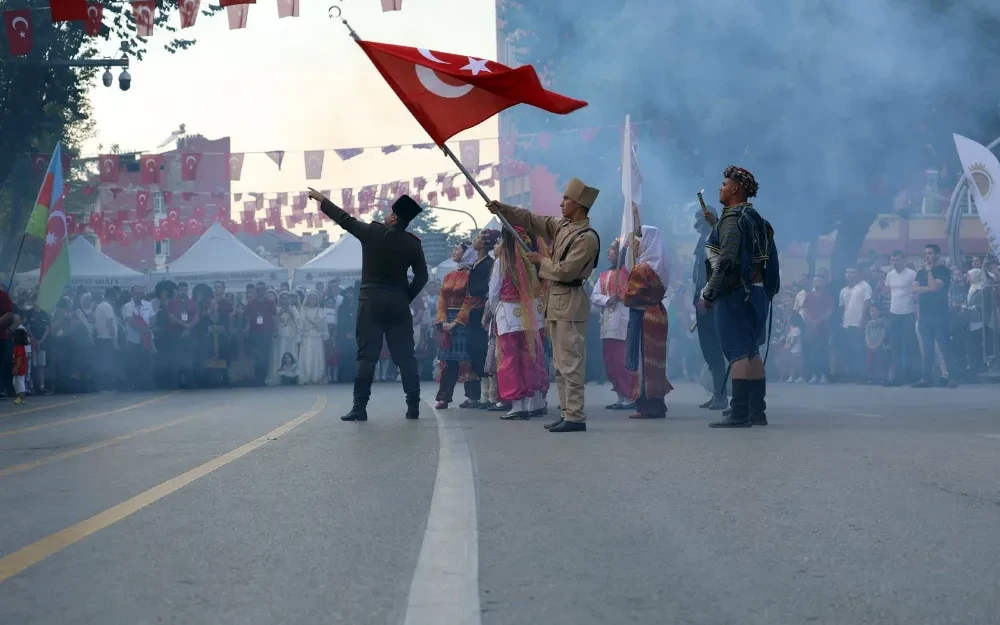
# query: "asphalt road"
856,505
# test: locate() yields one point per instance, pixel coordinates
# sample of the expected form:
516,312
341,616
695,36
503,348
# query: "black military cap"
406,208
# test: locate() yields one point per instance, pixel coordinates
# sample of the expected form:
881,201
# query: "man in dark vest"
738,252
388,252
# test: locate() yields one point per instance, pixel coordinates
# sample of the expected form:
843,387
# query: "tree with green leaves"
42,103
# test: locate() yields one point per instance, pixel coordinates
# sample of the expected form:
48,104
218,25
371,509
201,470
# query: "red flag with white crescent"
189,166
109,164
189,12
448,93
95,18
238,14
142,207
144,14
150,164
20,32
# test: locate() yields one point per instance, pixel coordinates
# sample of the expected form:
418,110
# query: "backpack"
758,247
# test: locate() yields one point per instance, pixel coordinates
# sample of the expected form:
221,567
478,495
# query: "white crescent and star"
27,26
433,83
189,160
150,164
93,11
60,215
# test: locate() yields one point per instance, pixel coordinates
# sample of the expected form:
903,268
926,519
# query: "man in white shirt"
855,301
902,320
106,343
137,315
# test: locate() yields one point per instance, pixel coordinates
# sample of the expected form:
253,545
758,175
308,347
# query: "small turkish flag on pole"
288,8
95,18
314,164
20,34
39,162
189,166
448,93
150,164
109,167
189,12
144,14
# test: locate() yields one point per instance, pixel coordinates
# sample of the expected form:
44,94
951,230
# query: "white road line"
866,415
996,436
445,587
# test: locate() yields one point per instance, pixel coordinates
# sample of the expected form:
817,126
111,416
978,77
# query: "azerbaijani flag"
48,222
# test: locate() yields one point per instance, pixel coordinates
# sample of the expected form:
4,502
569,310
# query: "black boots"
413,407
758,390
357,413
740,406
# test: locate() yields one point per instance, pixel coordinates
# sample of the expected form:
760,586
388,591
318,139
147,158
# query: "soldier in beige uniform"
575,248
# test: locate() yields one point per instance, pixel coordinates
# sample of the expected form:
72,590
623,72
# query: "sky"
298,84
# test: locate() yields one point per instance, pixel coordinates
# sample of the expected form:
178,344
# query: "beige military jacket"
564,303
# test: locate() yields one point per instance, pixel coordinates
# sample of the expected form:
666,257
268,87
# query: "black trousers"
384,315
903,343
260,355
6,371
106,361
140,367
477,344
935,330
711,351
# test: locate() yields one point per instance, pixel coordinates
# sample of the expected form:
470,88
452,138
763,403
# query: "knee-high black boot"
758,407
740,405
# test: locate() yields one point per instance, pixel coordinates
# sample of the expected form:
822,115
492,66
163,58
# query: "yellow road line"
34,553
76,451
14,413
49,424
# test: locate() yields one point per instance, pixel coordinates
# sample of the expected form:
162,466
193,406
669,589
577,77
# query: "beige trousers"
569,354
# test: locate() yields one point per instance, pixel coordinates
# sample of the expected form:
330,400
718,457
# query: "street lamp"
124,79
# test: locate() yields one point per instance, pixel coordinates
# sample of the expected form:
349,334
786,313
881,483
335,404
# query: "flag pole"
334,12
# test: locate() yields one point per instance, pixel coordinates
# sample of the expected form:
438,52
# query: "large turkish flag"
448,93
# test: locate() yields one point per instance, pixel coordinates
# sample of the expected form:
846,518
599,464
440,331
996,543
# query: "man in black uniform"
388,251
708,333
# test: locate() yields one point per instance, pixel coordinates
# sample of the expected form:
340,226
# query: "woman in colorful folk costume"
452,320
647,331
515,296
608,297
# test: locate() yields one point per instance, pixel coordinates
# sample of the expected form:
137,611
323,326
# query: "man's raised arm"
358,229
536,225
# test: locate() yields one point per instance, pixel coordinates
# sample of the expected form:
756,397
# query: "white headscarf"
653,252
470,257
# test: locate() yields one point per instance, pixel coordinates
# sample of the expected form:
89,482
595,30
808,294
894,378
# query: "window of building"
163,248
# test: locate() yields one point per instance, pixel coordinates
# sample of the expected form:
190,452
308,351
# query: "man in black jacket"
388,252
708,332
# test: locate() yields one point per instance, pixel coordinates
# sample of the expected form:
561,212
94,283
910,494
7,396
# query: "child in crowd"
793,349
20,364
288,373
878,349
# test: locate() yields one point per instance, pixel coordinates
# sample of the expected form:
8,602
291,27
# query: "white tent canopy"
341,260
89,267
218,255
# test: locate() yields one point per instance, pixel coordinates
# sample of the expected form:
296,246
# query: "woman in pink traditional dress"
522,374
646,351
608,297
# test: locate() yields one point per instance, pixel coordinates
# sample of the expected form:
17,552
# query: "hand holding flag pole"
448,93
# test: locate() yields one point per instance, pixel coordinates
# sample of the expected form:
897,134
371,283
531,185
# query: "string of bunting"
20,25
126,225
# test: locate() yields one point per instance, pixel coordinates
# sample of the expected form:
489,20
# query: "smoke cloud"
823,100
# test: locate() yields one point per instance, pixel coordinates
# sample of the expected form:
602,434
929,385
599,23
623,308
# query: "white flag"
983,170
631,190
